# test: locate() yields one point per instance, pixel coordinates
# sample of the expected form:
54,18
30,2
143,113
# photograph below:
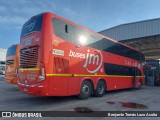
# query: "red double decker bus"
61,58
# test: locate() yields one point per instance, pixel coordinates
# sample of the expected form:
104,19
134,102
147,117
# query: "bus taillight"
42,76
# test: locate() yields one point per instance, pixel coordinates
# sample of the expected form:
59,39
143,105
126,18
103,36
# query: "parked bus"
153,72
12,64
61,58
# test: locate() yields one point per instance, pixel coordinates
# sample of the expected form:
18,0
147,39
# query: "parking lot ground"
145,99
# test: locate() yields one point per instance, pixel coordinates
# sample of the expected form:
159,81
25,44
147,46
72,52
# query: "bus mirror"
66,28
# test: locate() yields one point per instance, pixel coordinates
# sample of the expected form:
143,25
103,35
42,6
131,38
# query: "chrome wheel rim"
85,89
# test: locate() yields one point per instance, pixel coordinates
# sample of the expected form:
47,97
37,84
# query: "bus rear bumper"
13,80
36,89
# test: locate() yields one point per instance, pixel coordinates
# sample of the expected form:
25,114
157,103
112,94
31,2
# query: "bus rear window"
11,50
34,24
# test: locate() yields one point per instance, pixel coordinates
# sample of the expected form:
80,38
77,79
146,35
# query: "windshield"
32,25
11,50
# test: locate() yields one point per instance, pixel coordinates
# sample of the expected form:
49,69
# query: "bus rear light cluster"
42,76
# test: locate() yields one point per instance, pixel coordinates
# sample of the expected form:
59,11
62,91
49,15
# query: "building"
3,54
142,35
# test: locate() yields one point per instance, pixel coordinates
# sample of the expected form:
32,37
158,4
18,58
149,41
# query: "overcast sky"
96,15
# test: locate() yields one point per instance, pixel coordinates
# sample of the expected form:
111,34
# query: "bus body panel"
65,65
58,86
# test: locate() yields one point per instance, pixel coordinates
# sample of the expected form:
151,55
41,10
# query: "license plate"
25,89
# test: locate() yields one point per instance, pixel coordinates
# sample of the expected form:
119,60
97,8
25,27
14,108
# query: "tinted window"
11,50
119,49
73,34
113,69
32,25
153,63
80,36
154,67
151,72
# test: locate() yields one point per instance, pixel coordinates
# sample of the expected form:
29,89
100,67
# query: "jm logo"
93,59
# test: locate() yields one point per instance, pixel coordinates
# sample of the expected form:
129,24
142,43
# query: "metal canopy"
149,46
142,35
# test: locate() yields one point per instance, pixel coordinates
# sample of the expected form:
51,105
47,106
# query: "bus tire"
85,91
139,84
100,89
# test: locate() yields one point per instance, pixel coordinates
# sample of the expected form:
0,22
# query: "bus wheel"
139,84
85,91
100,89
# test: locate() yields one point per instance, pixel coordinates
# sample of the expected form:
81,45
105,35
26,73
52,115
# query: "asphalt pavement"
145,99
